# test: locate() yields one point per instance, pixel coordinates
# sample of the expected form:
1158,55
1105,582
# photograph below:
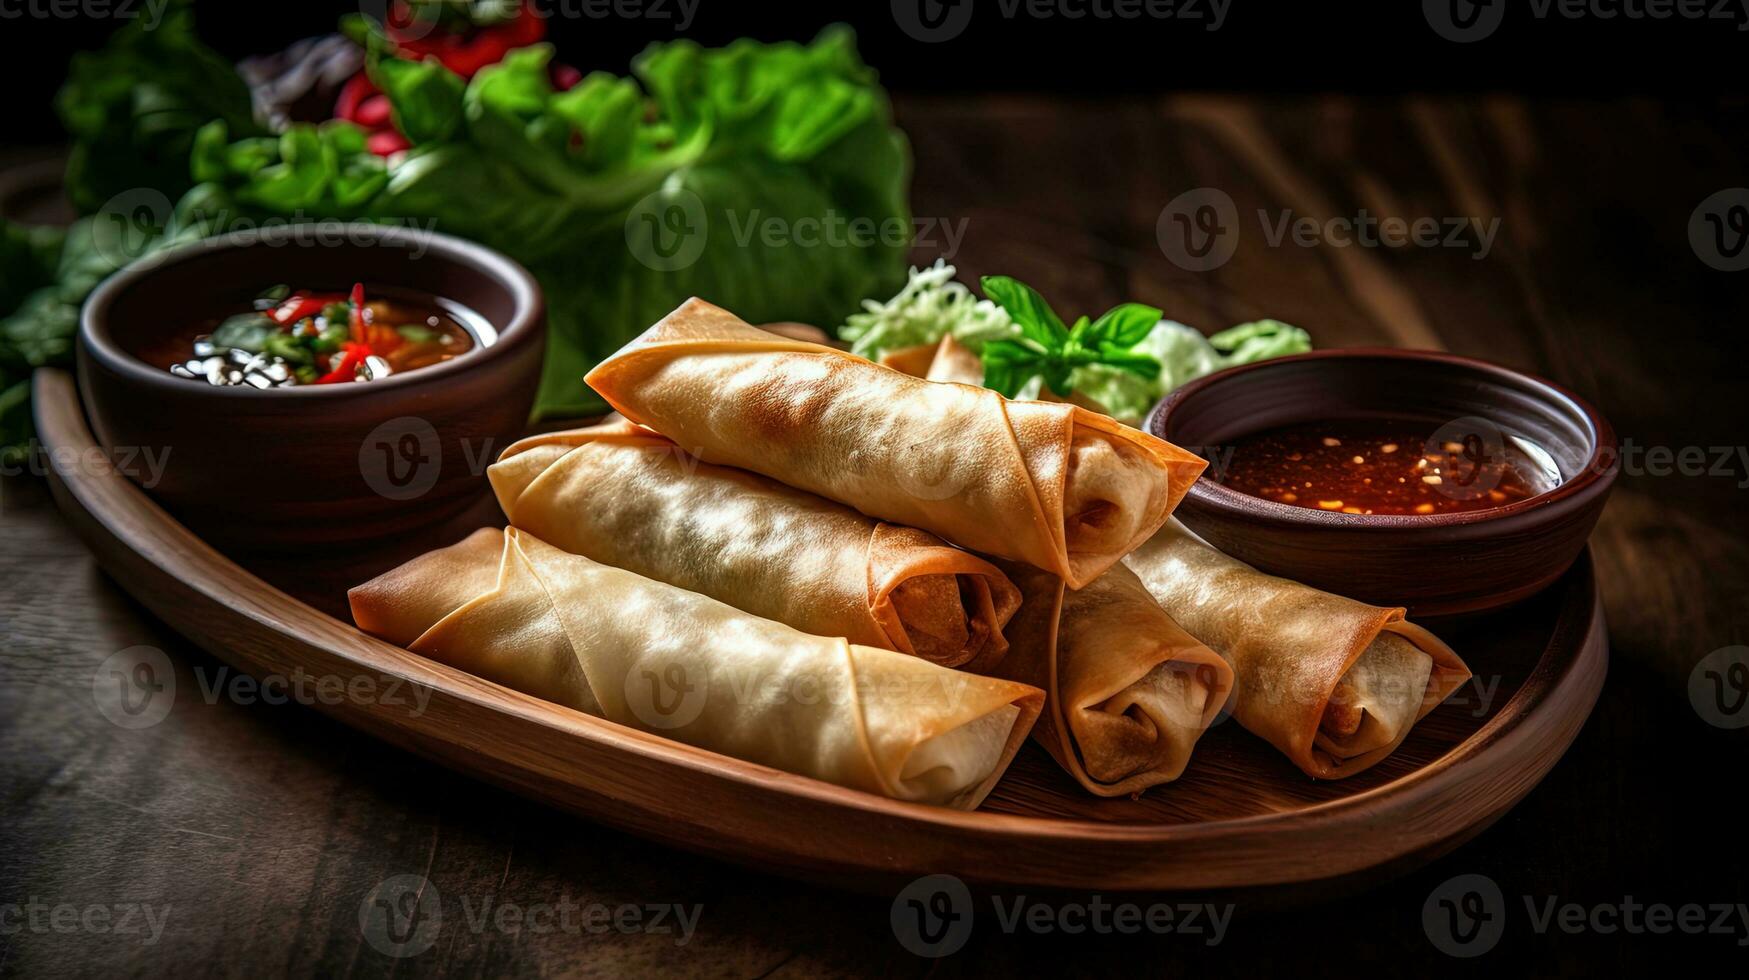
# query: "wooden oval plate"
1241,818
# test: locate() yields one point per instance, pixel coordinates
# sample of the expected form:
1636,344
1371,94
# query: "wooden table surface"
253,833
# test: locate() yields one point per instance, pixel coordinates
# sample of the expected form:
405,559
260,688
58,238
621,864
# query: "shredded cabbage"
932,305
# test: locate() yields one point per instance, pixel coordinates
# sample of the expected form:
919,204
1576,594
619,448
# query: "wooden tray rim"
108,497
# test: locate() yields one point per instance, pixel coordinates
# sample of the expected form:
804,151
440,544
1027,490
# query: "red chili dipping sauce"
1386,467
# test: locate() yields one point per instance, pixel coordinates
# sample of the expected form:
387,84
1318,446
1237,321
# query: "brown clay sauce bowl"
1436,564
284,471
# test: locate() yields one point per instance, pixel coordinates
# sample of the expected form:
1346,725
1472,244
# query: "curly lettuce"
133,107
932,305
1185,355
710,174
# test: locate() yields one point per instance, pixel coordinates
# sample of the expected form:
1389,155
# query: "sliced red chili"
302,305
348,369
357,325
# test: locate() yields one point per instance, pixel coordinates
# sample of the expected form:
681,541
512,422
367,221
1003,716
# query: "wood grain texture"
1241,817
263,826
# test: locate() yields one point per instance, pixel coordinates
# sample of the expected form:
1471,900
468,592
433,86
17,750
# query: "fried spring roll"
1127,691
1333,683
661,659
951,360
628,497
1050,484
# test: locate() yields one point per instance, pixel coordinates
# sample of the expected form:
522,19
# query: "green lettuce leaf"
750,175
133,107
739,175
1184,355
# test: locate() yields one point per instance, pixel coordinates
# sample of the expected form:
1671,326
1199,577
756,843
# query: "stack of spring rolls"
800,558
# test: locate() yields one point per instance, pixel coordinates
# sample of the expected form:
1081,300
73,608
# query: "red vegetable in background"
302,305
357,316
348,369
465,54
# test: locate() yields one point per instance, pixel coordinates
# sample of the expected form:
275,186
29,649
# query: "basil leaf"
1057,377
1035,318
1019,353
1126,325
1008,363
1003,379
1135,362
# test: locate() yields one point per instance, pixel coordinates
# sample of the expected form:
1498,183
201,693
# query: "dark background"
1362,48
263,826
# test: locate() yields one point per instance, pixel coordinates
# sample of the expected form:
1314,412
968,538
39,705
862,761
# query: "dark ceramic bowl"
1453,562
292,470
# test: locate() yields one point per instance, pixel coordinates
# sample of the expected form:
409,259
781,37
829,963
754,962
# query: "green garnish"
245,331
418,334
1048,349
286,347
329,340
1184,355
931,306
